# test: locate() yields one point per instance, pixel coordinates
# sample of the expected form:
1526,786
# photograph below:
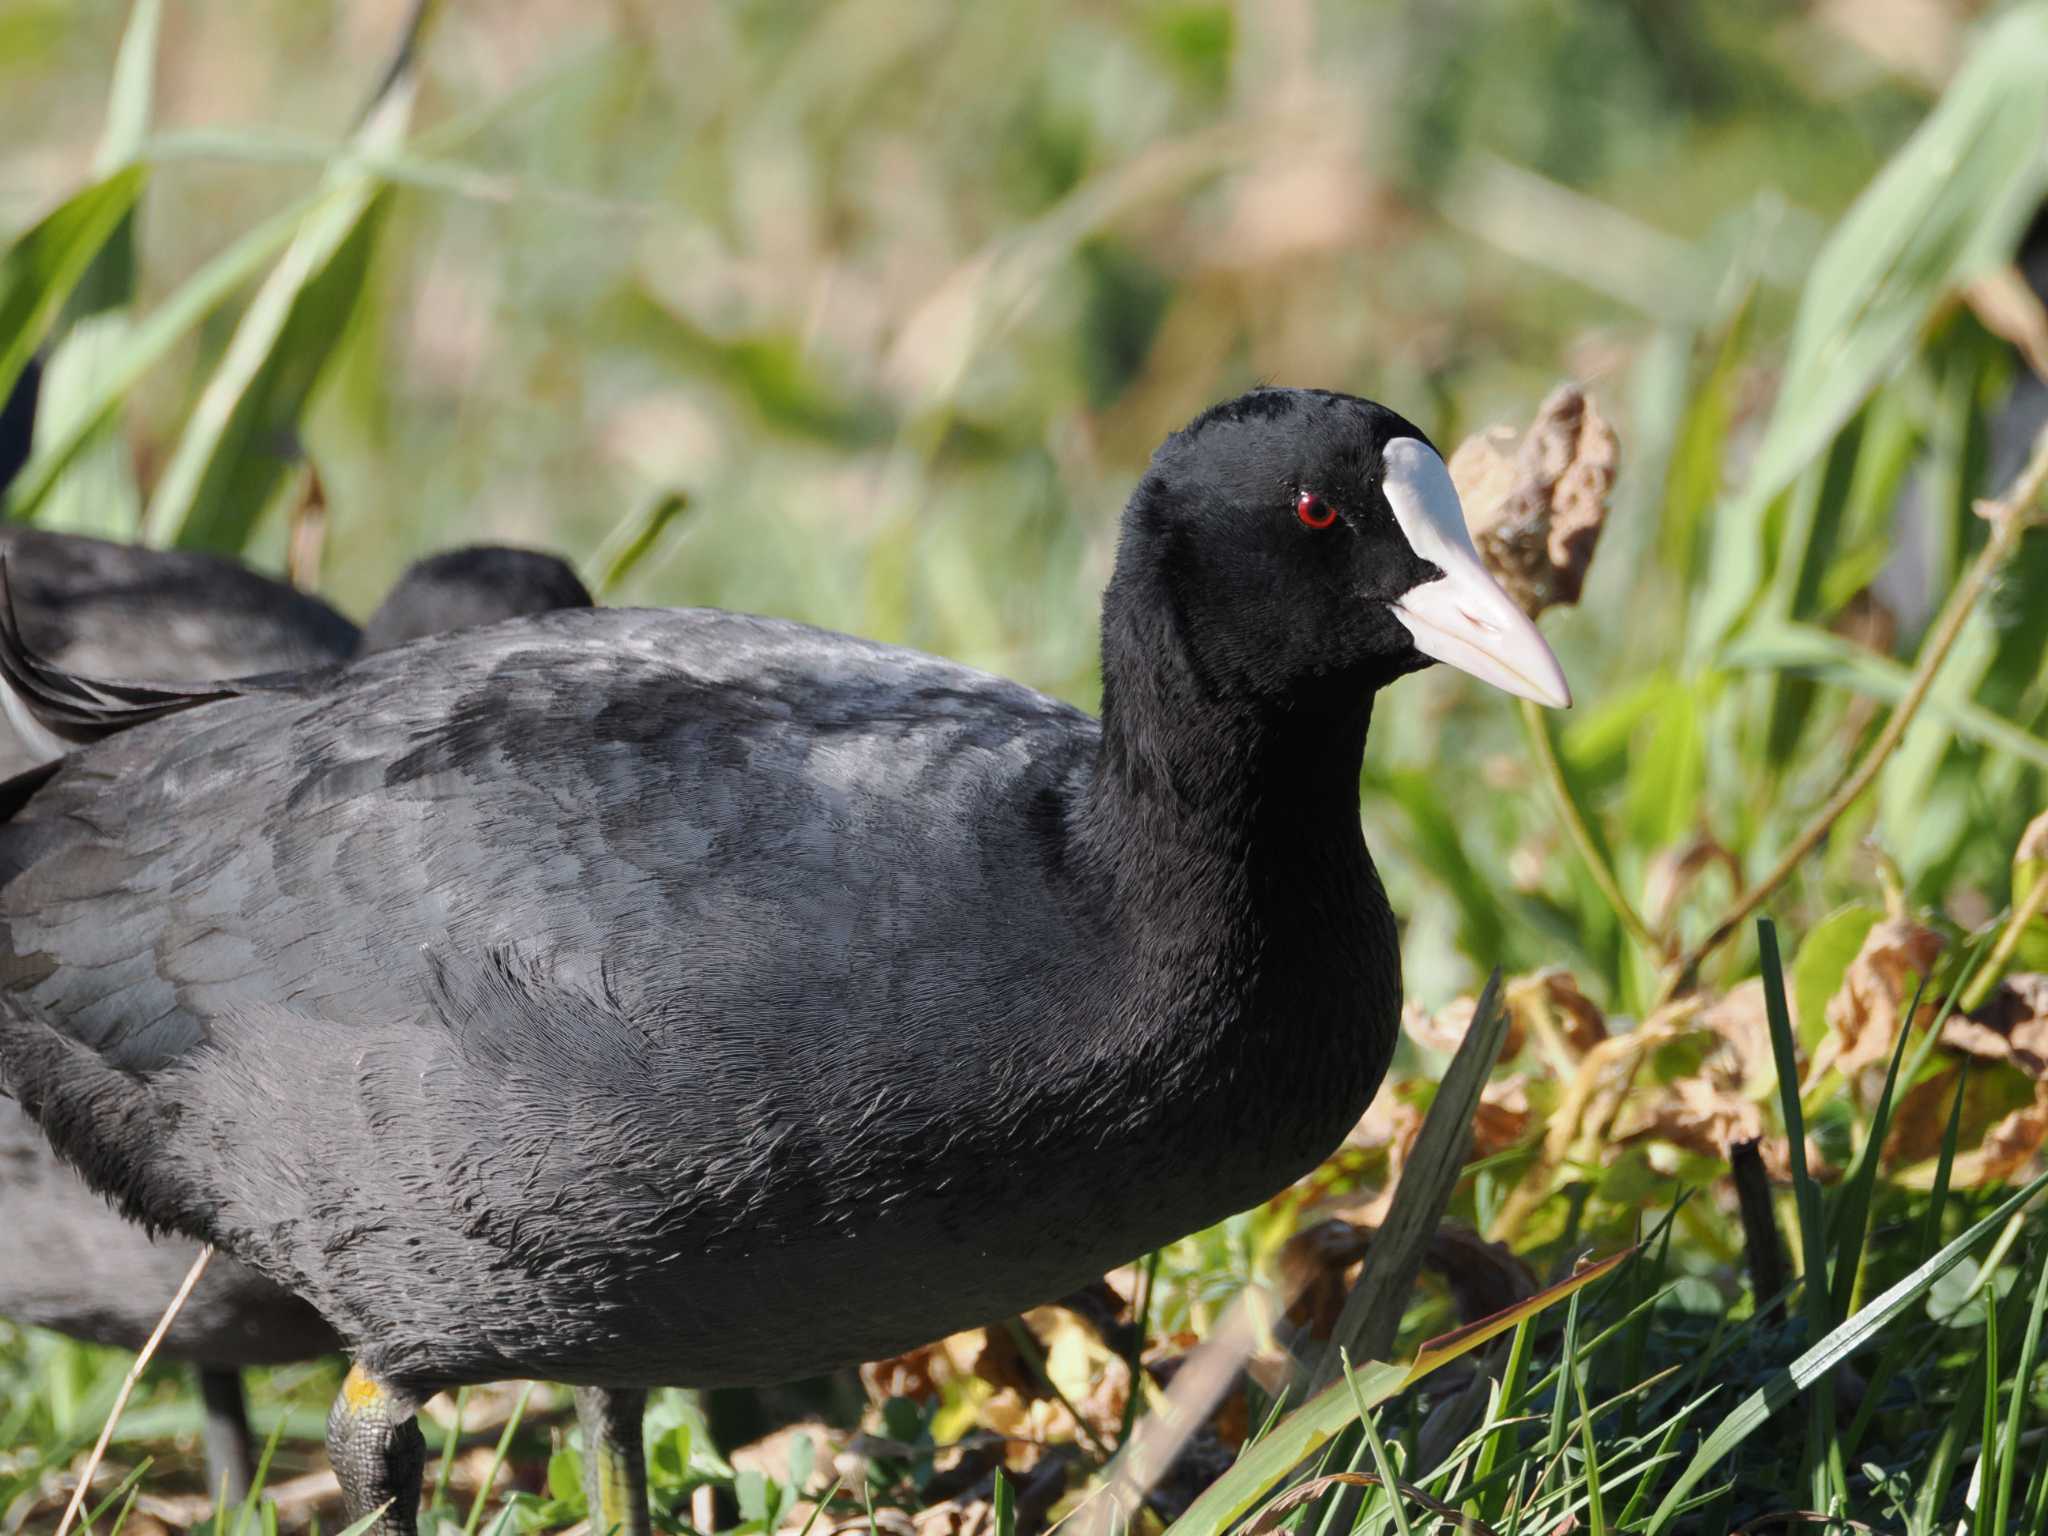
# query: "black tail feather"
79,710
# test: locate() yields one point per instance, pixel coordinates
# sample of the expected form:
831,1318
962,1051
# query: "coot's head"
1309,547
463,588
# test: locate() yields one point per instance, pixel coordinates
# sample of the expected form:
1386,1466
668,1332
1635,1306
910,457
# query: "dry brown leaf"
1920,1119
1444,1031
917,1374
2008,306
1744,1062
1863,1018
1695,1114
2018,1012
1550,1005
2011,1027
2033,841
1536,510
1503,1118
2009,1148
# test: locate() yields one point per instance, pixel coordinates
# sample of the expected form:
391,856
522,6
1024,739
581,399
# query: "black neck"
1255,956
1209,813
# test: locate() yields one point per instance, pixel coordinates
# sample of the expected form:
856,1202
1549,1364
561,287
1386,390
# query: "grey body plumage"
516,916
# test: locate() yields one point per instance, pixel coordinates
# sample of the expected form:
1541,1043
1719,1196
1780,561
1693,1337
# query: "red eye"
1314,511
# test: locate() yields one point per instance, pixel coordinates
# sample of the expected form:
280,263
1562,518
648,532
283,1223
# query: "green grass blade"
1512,1378
1814,1364
1776,646
43,265
1002,1505
1950,204
1944,1167
1596,1517
1316,1422
253,1500
1390,1488
449,1441
631,542
1851,1223
1372,1312
99,494
2022,1377
239,448
504,1447
149,342
1823,1444
1567,1366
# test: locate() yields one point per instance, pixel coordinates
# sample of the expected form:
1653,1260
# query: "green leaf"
1778,646
1786,1383
242,441
565,1477
1821,963
1666,778
41,267
750,1492
1440,849
146,345
631,541
1947,207
99,494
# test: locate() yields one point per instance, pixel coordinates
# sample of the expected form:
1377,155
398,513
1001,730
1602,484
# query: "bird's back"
676,948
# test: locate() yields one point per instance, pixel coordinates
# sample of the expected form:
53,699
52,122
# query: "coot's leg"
614,1460
230,1454
378,1453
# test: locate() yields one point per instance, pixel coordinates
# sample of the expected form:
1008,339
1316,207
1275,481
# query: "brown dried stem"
2008,517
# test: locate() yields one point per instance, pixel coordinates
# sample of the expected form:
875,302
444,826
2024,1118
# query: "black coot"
636,997
70,1262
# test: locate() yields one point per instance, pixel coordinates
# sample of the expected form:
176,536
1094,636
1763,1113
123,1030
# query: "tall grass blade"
1382,1463
43,265
1851,1223
99,494
238,450
1503,1437
1372,1312
498,1455
1778,646
1822,1357
636,536
1948,206
2022,1381
145,345
1823,1446
1334,1409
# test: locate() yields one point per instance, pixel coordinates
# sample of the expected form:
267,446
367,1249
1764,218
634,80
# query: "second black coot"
70,1262
642,997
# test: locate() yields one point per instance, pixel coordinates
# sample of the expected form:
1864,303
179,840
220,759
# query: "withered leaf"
1864,1016
1536,510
